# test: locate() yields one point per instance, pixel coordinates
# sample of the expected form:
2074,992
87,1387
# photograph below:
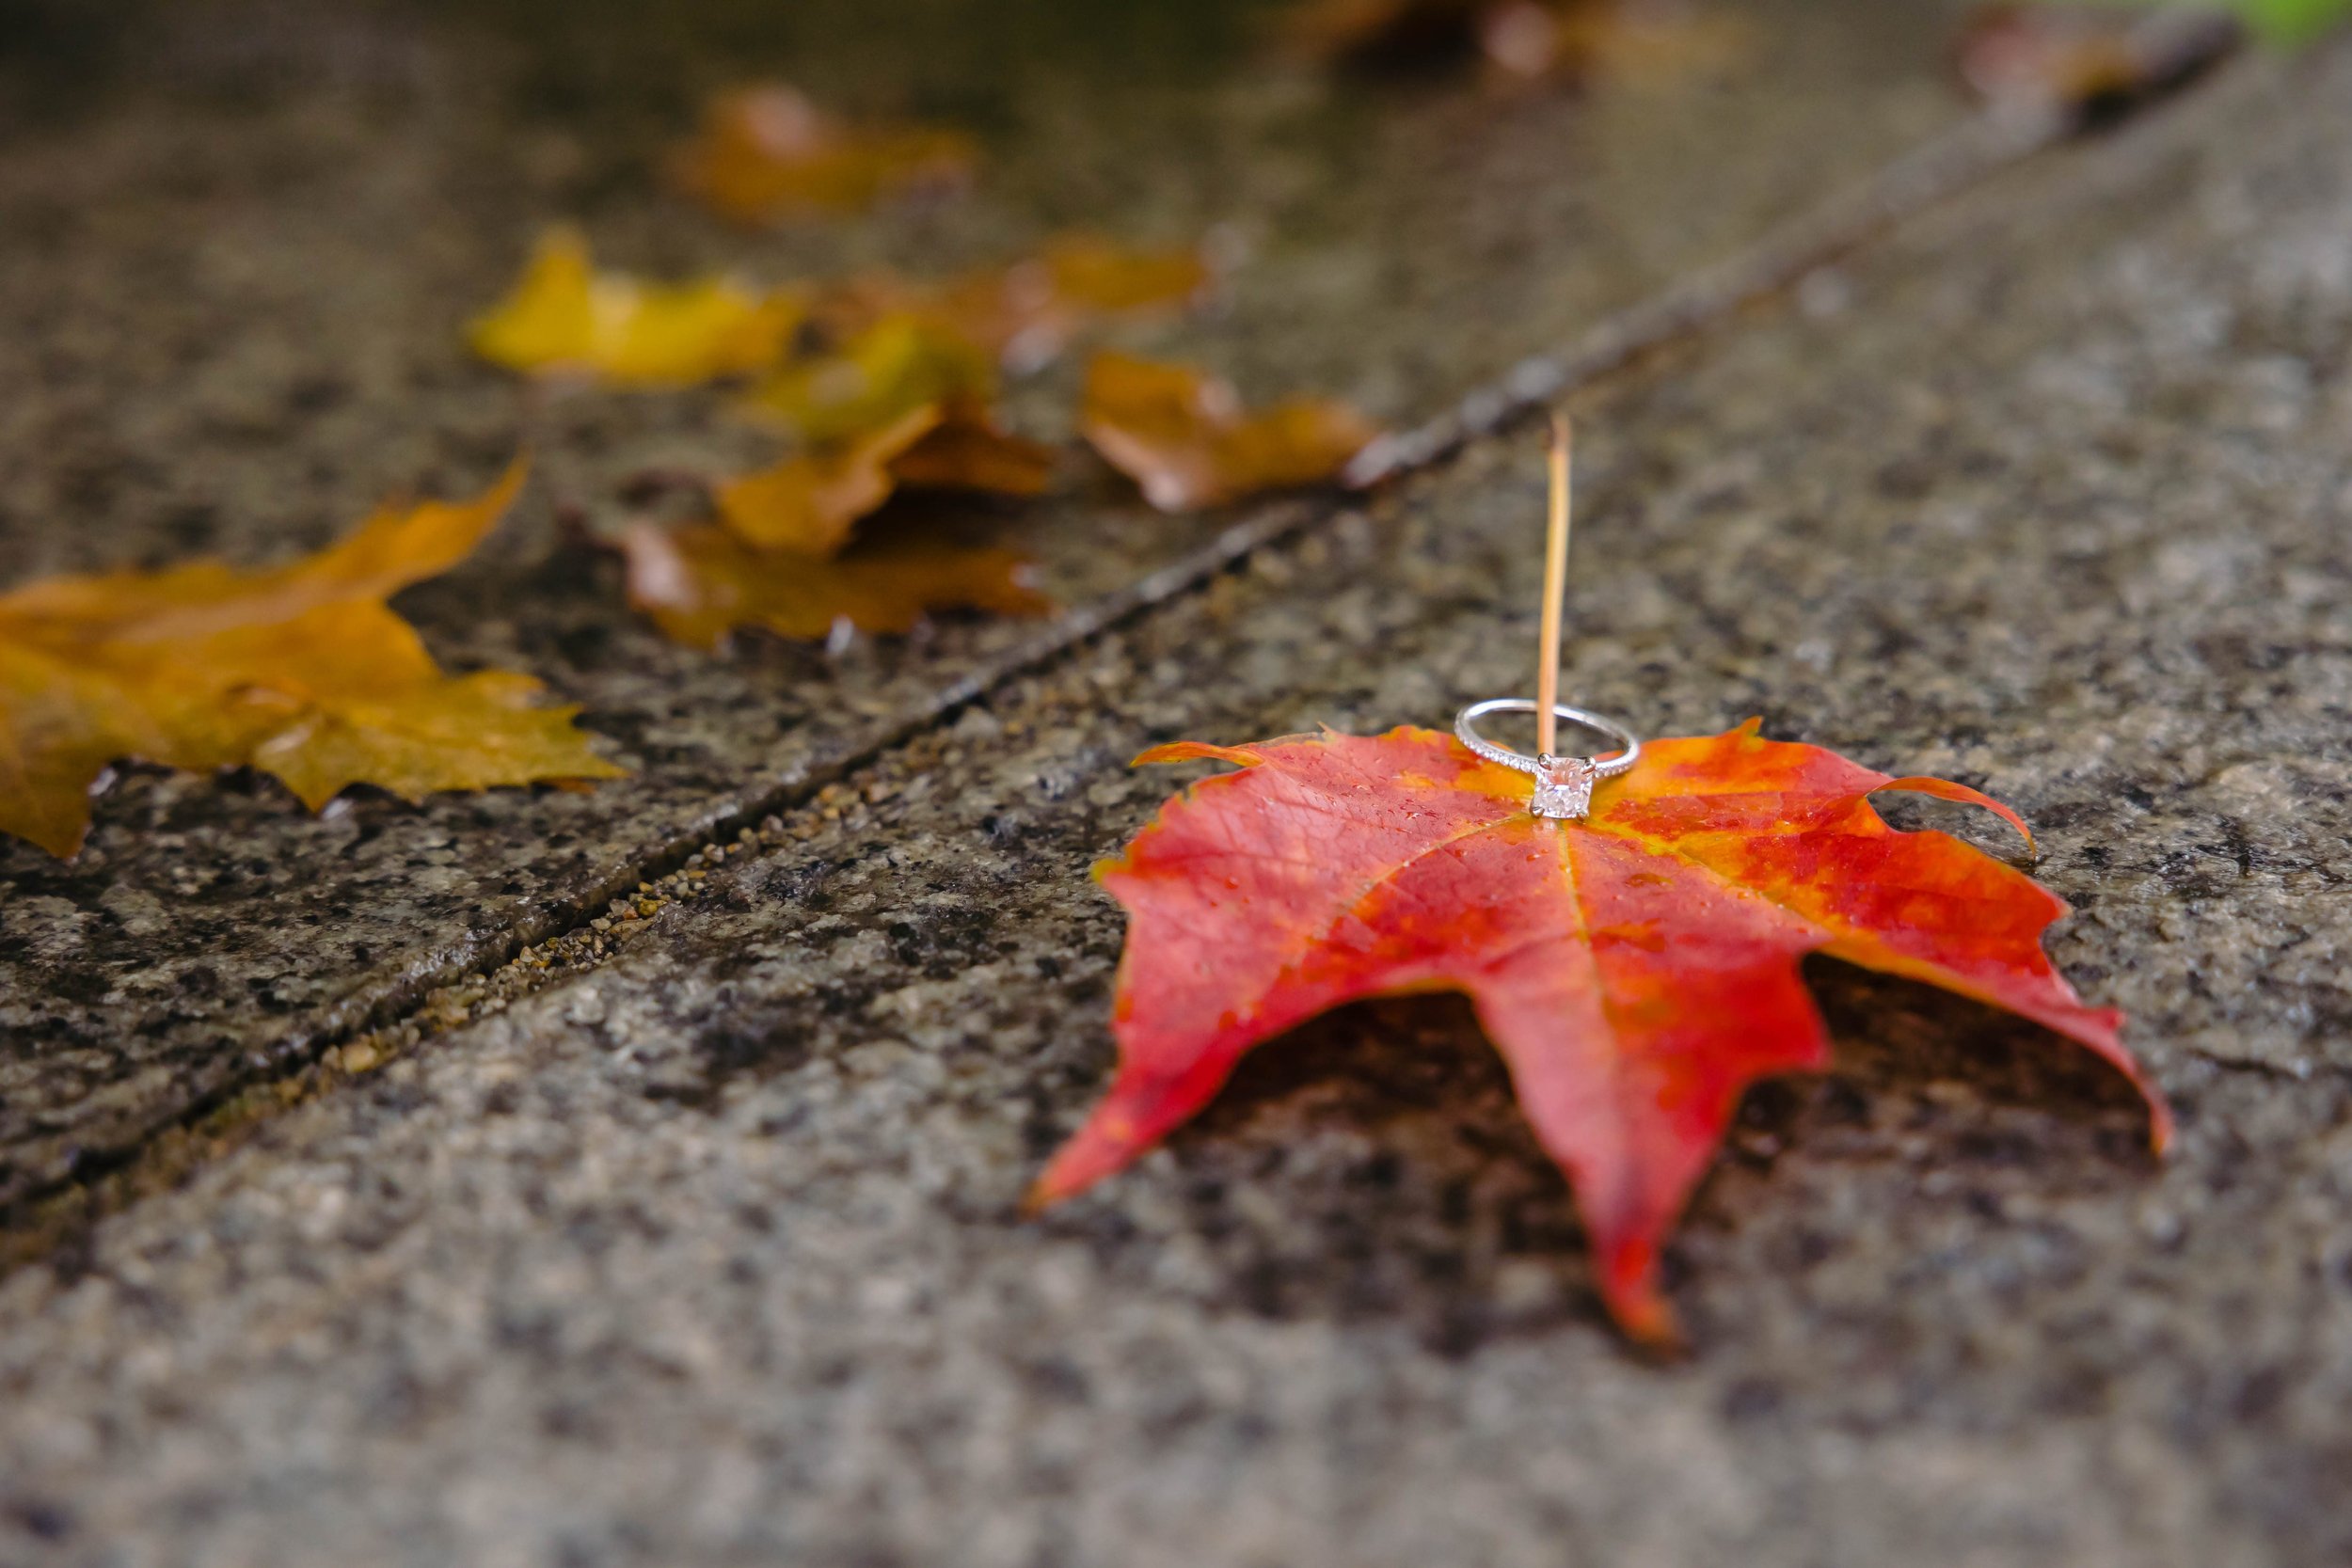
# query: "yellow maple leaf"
565,317
900,363
300,671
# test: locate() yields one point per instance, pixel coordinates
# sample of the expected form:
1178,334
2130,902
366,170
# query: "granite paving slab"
711,1255
238,265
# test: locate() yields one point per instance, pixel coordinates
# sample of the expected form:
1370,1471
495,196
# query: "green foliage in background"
2280,20
2293,21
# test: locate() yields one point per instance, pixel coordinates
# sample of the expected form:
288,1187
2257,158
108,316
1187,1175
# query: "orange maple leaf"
765,152
1637,970
699,583
300,671
1186,438
1023,315
810,501
563,317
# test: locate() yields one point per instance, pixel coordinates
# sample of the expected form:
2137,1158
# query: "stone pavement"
238,302
701,1247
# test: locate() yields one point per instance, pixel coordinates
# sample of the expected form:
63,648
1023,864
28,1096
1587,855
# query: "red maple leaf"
1638,970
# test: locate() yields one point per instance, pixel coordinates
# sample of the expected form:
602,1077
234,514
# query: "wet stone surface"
229,310
712,1255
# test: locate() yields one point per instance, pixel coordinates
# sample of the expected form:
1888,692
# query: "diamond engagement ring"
1564,785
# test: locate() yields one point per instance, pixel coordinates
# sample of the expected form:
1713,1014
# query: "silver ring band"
1564,784
1629,749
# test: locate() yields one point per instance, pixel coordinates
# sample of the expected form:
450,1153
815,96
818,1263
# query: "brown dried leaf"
968,450
1184,437
700,584
1023,315
905,404
766,153
809,502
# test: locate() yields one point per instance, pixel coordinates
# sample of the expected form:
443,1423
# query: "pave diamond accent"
1564,787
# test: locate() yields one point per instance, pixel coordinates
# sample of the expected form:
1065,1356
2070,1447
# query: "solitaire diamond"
1564,787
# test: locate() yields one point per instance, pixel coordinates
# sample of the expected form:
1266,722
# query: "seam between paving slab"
379,1021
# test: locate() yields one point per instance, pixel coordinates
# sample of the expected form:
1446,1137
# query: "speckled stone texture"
712,1257
230,297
